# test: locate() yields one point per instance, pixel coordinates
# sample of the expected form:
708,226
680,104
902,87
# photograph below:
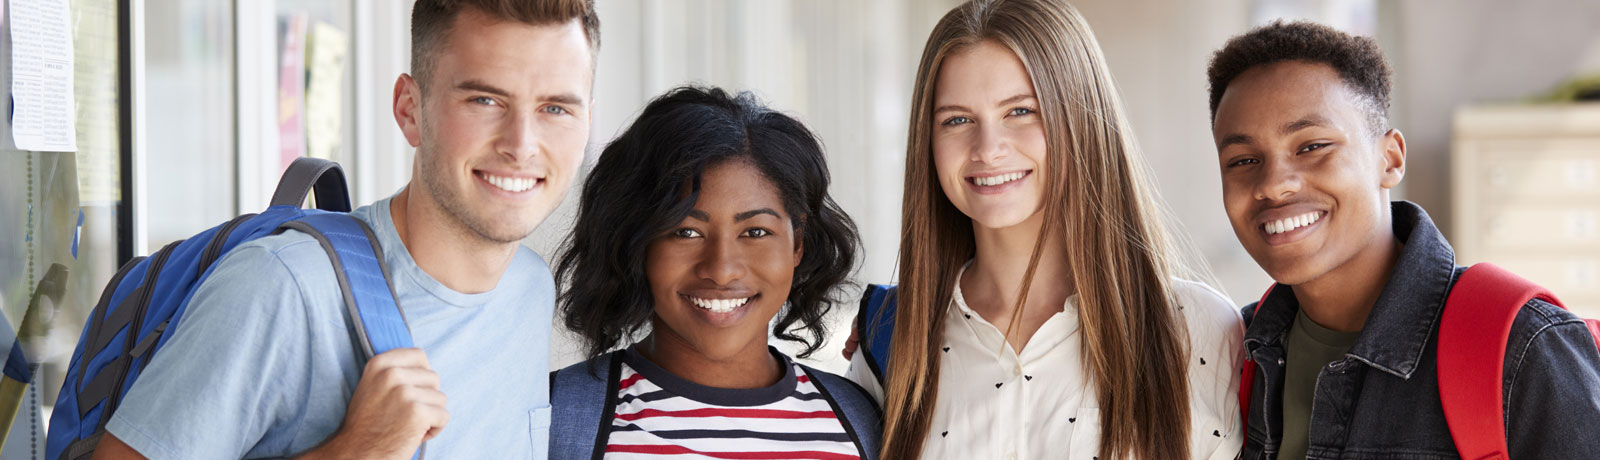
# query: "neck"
751,367
1341,299
444,249
1001,264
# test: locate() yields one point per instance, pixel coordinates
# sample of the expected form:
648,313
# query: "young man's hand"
396,407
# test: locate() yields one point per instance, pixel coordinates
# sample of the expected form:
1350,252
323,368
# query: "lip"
719,319
1290,236
971,181
539,182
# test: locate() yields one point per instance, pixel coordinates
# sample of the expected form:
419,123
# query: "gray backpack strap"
863,420
306,174
582,405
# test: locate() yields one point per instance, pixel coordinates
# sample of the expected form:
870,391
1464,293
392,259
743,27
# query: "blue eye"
482,100
956,121
1020,111
554,109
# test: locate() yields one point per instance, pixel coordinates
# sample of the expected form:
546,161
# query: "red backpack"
1482,304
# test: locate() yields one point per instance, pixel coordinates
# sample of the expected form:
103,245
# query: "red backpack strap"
1472,347
1247,376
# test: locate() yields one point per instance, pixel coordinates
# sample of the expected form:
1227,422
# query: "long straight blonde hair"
1097,199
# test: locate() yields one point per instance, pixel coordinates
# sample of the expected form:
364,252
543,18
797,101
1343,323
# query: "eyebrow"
481,86
1007,101
477,85
740,217
1288,128
1303,123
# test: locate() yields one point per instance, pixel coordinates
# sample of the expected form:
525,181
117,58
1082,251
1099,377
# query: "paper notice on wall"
326,47
94,41
45,115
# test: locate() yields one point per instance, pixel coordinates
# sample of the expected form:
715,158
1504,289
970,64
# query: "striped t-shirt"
660,415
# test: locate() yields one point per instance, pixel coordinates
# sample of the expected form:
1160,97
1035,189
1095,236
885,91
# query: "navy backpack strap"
363,279
877,326
583,404
863,420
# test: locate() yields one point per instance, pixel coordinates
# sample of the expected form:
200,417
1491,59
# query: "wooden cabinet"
1526,194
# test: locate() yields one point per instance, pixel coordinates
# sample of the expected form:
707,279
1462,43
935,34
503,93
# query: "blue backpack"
876,323
148,296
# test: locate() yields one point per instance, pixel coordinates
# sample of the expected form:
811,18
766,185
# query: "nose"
1279,180
991,144
721,261
519,137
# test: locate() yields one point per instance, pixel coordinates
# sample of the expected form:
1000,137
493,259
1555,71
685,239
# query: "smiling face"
1304,179
501,129
720,276
988,137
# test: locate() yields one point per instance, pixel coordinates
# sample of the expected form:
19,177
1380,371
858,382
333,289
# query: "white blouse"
996,404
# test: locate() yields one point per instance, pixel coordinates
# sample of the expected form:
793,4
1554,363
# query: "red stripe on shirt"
680,450
730,413
628,382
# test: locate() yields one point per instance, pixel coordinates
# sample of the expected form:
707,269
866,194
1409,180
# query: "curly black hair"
1357,59
635,195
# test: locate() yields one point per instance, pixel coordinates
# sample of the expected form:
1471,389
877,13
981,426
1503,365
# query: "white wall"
1450,54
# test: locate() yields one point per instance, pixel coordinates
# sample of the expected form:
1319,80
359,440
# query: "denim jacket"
1382,400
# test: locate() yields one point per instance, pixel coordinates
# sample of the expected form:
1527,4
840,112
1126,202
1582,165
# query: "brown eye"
685,233
758,233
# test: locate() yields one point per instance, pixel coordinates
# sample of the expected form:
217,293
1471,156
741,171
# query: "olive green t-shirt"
1310,348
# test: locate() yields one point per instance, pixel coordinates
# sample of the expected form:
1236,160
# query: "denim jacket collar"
1397,330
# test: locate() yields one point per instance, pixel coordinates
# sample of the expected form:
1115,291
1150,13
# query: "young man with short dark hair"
263,365
1345,346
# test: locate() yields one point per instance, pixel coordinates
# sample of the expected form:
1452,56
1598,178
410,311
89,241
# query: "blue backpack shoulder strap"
863,420
363,279
877,326
583,403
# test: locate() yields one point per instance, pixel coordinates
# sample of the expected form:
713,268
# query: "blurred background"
188,110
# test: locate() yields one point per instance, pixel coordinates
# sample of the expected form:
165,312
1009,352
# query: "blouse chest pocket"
539,431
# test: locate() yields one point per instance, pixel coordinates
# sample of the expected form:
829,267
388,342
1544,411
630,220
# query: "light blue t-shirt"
263,363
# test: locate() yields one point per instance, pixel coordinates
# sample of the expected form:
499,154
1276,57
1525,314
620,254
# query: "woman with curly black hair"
701,223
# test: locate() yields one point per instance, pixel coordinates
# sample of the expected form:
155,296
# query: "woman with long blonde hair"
1041,313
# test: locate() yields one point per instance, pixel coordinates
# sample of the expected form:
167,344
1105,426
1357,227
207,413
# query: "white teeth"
1291,223
719,305
997,180
510,184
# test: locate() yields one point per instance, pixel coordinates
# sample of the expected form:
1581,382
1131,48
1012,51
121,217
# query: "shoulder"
1542,322
1210,316
271,269
530,267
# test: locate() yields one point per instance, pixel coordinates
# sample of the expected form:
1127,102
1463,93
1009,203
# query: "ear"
408,108
1394,158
